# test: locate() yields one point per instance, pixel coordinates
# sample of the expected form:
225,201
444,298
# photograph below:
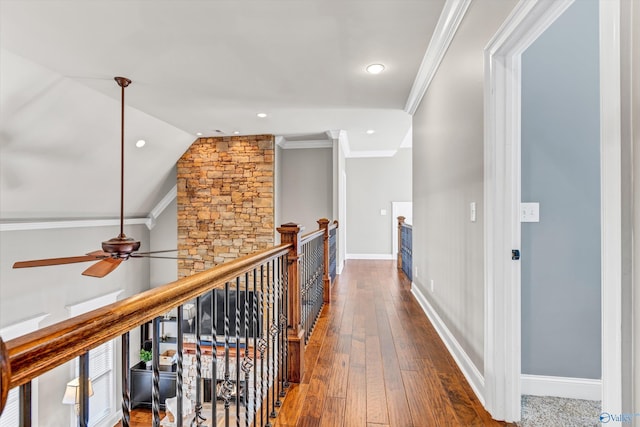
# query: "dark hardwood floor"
374,360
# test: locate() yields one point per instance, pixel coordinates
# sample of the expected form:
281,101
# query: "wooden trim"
400,224
323,223
5,374
310,236
34,354
290,235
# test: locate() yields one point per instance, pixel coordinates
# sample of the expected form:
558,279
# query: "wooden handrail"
34,354
310,236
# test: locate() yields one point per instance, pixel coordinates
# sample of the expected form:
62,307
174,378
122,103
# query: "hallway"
375,360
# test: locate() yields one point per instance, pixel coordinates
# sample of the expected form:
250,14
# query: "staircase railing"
248,341
405,246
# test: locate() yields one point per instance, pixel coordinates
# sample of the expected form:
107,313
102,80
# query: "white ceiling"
196,66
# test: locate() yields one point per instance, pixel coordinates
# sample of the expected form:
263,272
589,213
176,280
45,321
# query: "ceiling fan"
114,250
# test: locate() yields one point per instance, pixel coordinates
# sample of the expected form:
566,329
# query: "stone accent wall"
225,200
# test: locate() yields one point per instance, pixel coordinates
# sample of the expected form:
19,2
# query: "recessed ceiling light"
370,132
140,143
262,115
236,132
198,133
375,68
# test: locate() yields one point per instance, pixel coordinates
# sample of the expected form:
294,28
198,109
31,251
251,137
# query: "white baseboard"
469,370
369,256
574,388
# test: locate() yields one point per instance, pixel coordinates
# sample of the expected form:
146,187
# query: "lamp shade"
72,392
189,311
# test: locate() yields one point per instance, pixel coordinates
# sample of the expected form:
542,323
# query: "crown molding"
79,223
161,206
289,145
448,23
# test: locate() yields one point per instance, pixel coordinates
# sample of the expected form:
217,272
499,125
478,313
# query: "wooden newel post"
291,233
5,374
323,223
400,224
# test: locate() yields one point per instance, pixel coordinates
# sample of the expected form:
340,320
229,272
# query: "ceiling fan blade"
54,261
100,254
102,267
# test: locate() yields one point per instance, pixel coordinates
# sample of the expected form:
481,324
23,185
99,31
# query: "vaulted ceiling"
197,67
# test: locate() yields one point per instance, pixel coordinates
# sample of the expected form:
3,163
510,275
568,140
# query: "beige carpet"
545,411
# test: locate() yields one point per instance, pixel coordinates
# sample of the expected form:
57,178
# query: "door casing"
502,347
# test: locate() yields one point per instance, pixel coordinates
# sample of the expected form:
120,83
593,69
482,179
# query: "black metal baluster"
273,331
247,363
214,360
180,367
198,416
237,324
227,386
255,348
268,330
126,399
155,362
262,346
83,390
285,298
278,304
25,405
283,329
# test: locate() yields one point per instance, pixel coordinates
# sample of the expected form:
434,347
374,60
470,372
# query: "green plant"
145,355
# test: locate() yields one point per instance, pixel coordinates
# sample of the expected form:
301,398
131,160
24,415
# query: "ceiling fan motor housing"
121,246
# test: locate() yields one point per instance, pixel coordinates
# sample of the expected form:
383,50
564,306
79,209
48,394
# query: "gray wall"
561,309
306,181
372,184
448,175
26,293
164,236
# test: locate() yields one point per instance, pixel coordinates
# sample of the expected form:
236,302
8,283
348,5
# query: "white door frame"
502,369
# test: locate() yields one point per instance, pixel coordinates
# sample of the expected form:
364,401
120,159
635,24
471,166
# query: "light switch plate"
383,211
472,212
530,212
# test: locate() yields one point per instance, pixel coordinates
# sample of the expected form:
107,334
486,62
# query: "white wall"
372,184
448,175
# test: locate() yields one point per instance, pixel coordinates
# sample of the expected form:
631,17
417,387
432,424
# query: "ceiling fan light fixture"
375,68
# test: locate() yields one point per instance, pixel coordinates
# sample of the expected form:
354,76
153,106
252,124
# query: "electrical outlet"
431,284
